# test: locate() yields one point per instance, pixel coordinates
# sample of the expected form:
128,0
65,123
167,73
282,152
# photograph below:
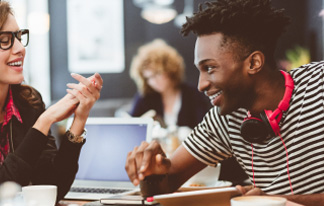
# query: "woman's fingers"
93,84
81,89
78,95
81,79
97,81
72,98
85,81
87,92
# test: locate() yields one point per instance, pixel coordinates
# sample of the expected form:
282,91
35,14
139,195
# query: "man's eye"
209,68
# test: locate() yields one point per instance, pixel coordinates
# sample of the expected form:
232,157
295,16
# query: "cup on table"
258,201
207,177
39,195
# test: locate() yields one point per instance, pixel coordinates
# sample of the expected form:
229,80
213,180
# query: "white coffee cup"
39,195
258,201
207,177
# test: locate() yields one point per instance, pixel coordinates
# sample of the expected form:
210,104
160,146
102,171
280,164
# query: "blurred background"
86,36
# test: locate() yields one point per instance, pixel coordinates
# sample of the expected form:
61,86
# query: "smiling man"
271,121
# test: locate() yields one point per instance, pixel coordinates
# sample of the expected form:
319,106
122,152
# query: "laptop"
102,159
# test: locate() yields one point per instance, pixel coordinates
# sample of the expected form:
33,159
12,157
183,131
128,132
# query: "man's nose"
203,83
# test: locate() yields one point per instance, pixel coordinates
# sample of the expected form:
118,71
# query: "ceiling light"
158,14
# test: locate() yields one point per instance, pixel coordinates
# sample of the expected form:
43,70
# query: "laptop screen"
108,142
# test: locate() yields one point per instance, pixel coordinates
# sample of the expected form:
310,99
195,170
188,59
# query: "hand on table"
145,160
249,190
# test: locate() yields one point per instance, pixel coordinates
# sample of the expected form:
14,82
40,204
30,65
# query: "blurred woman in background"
158,71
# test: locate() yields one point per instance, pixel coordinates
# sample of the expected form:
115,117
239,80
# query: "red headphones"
257,130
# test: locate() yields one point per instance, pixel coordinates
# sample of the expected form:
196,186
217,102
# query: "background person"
236,40
158,71
28,154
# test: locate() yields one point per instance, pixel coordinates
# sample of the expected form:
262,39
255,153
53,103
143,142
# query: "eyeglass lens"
7,38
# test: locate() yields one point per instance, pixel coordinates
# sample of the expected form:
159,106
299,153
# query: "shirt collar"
11,110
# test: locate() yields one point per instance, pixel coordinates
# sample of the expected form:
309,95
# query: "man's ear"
256,62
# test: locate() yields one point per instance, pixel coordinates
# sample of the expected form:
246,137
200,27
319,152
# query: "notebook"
103,156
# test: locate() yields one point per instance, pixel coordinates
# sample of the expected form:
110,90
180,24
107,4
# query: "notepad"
205,197
128,199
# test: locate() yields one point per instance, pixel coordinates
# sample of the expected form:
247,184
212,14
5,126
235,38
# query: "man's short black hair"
254,24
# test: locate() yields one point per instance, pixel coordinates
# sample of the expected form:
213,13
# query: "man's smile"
213,97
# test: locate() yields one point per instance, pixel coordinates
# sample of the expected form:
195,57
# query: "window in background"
95,36
33,15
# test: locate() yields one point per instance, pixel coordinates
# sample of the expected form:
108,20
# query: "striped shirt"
302,129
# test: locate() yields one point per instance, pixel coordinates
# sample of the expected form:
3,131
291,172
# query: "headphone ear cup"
271,125
254,130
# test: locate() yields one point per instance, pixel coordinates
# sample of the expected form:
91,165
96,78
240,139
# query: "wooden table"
71,203
81,203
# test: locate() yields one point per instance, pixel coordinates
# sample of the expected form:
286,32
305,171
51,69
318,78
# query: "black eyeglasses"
7,38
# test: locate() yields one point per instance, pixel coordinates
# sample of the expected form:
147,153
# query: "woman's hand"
55,113
87,92
79,101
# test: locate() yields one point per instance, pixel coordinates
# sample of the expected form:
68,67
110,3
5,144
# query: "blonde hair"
5,10
159,57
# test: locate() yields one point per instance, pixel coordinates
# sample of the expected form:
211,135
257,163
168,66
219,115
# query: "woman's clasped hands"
79,100
86,93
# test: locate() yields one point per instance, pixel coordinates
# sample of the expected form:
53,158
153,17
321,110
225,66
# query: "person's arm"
183,166
55,113
18,165
59,167
149,159
308,200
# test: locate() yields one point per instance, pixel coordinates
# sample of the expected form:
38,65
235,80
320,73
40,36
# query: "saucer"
218,184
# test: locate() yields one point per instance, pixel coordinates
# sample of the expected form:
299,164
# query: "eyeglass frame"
15,35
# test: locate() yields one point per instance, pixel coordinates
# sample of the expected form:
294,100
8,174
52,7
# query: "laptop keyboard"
98,190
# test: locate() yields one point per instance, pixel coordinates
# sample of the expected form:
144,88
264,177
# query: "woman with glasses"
28,153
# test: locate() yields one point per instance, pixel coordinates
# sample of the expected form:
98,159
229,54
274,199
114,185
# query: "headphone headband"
256,130
284,103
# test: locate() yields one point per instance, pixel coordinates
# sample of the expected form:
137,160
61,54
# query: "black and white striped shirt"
218,137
